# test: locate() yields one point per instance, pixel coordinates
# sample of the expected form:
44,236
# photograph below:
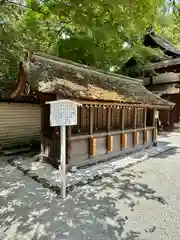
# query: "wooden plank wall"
104,130
19,123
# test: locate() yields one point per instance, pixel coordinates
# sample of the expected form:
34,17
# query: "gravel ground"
141,202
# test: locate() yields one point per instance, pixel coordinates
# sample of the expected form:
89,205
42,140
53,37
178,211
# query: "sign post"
62,166
63,113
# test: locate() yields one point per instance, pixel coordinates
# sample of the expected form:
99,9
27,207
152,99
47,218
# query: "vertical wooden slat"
135,134
169,113
109,138
155,126
92,141
122,118
168,117
91,113
42,126
145,117
108,119
145,132
81,117
135,118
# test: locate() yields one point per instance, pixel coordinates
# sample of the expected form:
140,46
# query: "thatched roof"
71,80
154,40
161,89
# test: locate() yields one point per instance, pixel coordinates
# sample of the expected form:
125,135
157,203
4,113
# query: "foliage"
99,33
9,46
98,30
170,24
21,29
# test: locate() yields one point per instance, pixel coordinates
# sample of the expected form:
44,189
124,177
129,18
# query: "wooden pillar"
91,117
135,134
155,126
109,137
145,133
135,118
68,144
92,140
122,118
108,119
145,117
168,117
123,135
42,127
169,113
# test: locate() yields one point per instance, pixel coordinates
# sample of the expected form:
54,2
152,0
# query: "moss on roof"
51,74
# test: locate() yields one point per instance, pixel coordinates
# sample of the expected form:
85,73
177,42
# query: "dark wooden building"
116,116
164,78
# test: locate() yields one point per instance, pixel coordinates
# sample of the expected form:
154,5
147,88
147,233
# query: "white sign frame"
70,118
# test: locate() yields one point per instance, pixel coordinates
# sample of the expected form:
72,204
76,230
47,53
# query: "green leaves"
90,32
170,24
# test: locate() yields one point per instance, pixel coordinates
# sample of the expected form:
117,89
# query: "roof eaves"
165,44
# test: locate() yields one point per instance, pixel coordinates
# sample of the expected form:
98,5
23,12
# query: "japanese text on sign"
63,114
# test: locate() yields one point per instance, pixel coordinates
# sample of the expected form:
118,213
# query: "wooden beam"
112,133
105,103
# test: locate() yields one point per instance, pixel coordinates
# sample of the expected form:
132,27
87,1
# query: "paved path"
141,202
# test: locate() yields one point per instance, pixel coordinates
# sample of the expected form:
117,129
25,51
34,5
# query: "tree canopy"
170,23
99,33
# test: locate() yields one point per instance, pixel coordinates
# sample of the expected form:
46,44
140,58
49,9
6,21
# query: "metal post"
63,160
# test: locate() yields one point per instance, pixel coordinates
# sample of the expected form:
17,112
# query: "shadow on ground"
28,211
170,152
